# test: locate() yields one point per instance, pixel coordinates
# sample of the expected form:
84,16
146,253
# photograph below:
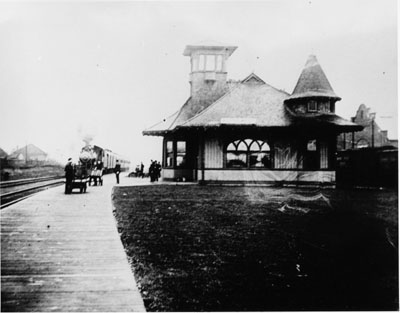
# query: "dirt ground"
208,248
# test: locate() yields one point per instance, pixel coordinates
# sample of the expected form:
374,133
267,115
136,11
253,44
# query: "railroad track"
14,191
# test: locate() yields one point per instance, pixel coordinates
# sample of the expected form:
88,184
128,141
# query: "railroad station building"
248,131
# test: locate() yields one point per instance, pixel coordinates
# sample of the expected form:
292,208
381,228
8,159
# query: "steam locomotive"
95,161
92,155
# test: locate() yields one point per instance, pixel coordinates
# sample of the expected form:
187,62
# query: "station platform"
63,253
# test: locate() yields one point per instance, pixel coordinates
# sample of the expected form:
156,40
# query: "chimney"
208,76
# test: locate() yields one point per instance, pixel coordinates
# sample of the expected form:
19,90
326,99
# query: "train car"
369,167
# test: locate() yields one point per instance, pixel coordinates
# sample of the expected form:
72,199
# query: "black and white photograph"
199,156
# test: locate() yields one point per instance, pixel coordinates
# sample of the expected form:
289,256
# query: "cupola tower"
313,92
208,75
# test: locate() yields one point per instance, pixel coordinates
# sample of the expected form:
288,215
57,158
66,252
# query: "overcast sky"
113,69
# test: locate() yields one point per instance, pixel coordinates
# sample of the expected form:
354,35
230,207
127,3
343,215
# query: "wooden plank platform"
63,253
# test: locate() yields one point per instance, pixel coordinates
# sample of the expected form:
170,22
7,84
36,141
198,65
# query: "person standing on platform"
69,176
158,171
152,170
141,169
117,170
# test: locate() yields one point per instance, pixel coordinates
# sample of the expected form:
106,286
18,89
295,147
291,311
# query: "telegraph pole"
373,129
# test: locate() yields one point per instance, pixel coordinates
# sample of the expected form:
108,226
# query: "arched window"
248,153
362,143
236,154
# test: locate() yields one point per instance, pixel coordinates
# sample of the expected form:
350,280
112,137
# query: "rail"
19,182
9,198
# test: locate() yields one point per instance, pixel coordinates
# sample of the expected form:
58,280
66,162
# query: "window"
210,63
312,145
170,154
195,64
312,106
219,63
311,159
201,62
362,143
180,153
324,107
236,155
248,153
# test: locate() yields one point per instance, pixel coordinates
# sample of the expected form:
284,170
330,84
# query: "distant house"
29,153
372,136
3,154
249,131
394,143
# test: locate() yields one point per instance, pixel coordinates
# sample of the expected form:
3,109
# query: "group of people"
70,173
154,171
139,171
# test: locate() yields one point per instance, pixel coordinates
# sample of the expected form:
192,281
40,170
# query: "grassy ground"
32,172
196,248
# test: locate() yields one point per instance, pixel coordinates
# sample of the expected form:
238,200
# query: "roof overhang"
189,49
314,94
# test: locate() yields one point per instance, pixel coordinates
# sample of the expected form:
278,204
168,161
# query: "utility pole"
26,153
372,115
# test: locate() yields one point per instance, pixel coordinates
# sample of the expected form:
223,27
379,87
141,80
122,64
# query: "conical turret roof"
313,82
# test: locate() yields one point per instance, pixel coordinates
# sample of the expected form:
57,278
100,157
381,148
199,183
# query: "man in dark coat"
141,169
152,170
158,170
69,176
117,170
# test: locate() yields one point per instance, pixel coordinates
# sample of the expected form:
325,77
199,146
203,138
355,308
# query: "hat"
70,159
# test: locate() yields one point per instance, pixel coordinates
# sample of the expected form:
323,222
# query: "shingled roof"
313,82
162,127
328,120
251,102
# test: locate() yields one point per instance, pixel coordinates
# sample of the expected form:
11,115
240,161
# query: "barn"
248,131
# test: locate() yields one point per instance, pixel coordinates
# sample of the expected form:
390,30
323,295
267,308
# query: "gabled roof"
187,111
248,104
191,107
246,101
253,78
313,82
3,154
163,126
30,150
